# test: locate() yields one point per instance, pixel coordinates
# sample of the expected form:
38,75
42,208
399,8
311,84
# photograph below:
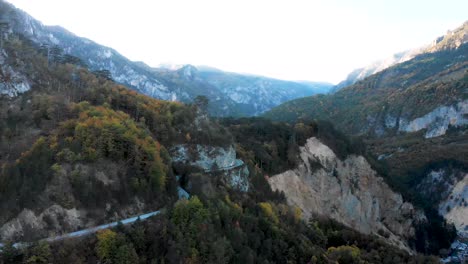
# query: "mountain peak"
188,71
452,40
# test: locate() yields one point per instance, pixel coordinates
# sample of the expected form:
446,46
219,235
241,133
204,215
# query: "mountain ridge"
452,39
157,84
78,149
412,117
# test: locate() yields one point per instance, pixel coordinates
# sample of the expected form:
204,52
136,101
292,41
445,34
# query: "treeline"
274,146
74,124
95,134
107,144
220,231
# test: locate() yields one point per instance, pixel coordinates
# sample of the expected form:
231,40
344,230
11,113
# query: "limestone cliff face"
215,160
53,218
12,82
448,189
348,191
437,122
455,207
203,156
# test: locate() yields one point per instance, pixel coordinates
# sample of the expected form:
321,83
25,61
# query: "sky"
316,40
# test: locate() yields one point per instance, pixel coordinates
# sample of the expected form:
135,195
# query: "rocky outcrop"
455,207
214,160
452,40
28,223
438,121
348,191
12,82
204,156
447,188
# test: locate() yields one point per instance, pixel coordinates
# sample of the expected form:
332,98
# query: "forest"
74,123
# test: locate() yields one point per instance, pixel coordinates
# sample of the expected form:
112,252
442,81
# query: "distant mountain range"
452,39
78,149
229,94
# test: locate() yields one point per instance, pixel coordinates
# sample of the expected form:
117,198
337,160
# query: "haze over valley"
216,132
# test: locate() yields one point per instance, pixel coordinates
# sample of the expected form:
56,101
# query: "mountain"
453,39
233,93
361,73
389,101
256,94
412,117
227,99
78,150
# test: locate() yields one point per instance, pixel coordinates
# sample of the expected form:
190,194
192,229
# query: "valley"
226,167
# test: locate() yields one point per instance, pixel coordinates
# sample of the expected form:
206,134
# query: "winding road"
88,231
237,163
84,232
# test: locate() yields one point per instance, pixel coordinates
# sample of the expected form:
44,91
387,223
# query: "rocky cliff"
12,82
214,160
437,121
455,207
447,189
57,215
348,191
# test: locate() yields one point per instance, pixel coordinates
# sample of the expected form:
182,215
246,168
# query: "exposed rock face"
438,121
60,210
455,207
215,160
53,218
12,82
452,40
448,188
205,157
238,176
348,191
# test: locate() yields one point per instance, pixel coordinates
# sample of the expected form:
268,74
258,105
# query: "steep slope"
348,191
78,150
324,174
412,116
392,101
228,97
447,187
452,40
378,66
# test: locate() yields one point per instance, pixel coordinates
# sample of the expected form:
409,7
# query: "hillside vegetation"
411,119
79,141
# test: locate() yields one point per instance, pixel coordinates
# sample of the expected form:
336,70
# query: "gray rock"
438,120
348,191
